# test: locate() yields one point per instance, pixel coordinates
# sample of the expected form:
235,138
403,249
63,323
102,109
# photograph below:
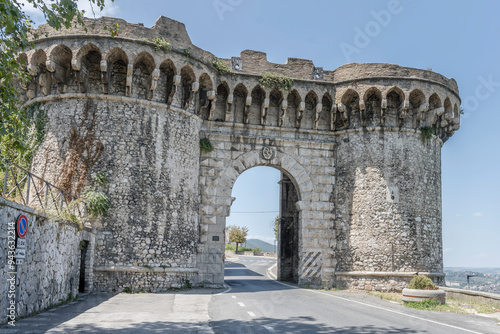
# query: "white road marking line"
234,297
269,272
384,309
241,304
269,329
229,288
251,314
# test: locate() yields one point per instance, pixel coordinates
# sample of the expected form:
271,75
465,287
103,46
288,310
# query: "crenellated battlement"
352,96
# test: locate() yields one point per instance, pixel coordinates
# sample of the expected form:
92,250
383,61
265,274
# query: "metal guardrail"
23,187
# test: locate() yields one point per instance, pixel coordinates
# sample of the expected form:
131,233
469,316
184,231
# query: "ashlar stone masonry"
361,188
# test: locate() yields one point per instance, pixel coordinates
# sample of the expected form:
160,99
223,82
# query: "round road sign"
22,226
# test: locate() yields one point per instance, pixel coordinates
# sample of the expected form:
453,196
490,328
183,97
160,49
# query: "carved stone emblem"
267,153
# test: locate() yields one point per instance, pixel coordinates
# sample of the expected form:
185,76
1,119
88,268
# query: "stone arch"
59,63
281,161
435,109
165,81
117,61
253,114
370,110
311,100
324,121
293,100
240,96
274,110
298,187
350,102
187,79
221,106
205,101
90,58
39,74
418,107
394,115
144,65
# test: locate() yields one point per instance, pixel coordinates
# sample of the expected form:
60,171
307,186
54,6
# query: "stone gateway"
359,150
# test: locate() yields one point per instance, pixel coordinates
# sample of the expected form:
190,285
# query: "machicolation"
360,191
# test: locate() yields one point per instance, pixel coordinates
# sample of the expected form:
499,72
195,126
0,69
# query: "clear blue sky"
459,39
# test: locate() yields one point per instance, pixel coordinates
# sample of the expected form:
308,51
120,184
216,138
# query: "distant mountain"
490,270
257,243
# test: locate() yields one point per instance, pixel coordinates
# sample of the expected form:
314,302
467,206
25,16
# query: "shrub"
205,145
421,282
97,202
220,66
275,80
161,44
426,133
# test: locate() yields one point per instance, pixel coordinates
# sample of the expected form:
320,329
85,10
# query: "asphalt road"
255,303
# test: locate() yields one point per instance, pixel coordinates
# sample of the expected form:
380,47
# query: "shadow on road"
298,325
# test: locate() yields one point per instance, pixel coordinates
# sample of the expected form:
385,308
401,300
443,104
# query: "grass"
452,305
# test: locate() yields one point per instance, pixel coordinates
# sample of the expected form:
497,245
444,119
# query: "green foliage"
275,80
205,145
426,133
233,248
127,289
421,282
21,147
147,266
96,201
15,34
276,227
161,44
220,66
101,178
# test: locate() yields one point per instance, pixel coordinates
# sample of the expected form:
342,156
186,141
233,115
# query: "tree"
237,234
15,32
276,227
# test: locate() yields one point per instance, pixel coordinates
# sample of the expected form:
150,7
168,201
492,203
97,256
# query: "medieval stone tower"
359,149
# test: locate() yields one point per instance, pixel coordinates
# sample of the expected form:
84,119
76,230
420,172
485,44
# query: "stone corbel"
248,103
59,74
130,71
343,114
284,107
333,117
383,112
154,82
362,112
263,112
424,107
45,82
319,108
403,111
104,76
211,98
300,114
34,71
229,103
79,75
177,82
195,87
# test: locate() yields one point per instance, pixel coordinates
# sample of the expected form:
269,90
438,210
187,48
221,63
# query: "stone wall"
150,157
50,273
388,196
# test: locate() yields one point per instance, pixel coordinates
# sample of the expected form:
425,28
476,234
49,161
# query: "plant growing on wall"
426,133
96,200
161,44
205,145
237,234
83,151
220,66
276,80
